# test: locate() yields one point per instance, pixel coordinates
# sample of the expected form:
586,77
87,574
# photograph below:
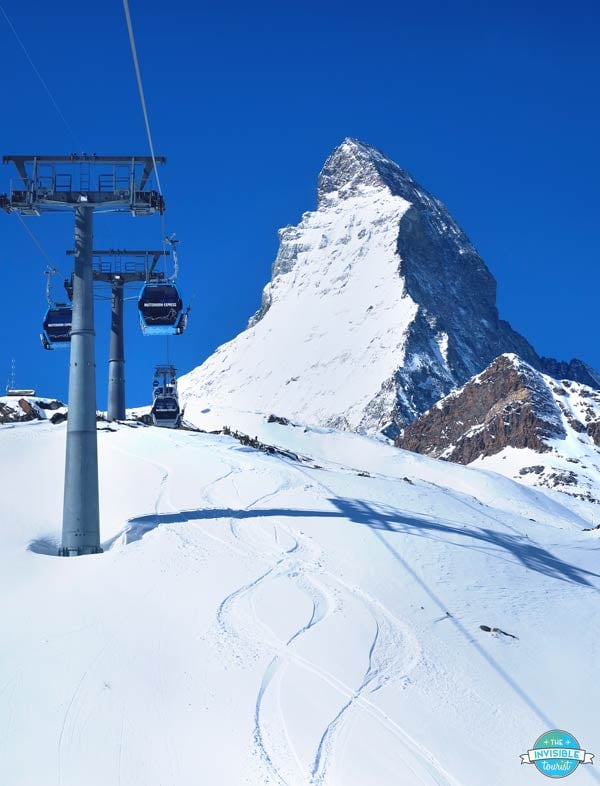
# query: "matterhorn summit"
378,306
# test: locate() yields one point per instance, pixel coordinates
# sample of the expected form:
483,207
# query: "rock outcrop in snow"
14,409
519,422
509,404
378,306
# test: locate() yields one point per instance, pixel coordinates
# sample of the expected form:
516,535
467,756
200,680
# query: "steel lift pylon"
83,184
119,267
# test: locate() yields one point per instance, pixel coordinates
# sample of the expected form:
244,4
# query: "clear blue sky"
491,106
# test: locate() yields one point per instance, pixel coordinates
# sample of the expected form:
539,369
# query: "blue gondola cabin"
161,310
57,327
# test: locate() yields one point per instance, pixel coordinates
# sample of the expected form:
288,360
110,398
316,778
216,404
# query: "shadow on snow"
386,523
384,519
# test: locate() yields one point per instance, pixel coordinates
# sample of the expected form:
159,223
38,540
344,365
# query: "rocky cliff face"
509,404
519,422
575,370
378,306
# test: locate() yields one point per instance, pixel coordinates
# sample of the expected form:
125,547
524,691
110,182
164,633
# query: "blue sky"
493,107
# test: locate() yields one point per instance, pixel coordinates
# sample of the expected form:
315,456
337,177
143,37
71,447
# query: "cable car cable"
76,139
74,136
141,88
160,304
138,75
40,248
51,271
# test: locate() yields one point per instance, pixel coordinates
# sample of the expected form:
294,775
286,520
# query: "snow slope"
258,620
337,321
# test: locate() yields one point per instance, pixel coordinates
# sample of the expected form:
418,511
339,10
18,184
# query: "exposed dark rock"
30,412
509,404
22,411
253,442
11,415
52,405
58,417
575,369
561,479
277,419
497,631
593,430
537,470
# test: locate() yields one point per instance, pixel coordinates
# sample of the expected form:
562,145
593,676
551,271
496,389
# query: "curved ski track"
392,653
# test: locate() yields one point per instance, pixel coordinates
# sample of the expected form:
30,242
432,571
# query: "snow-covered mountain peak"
355,164
378,306
506,363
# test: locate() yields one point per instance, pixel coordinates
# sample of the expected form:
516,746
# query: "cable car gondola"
57,323
57,327
165,411
161,309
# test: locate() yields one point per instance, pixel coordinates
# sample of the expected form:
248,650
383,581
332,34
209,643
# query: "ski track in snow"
324,750
5,736
72,721
259,739
120,755
386,659
376,675
305,651
392,653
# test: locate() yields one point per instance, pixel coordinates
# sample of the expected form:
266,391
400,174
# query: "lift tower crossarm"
59,183
123,252
19,163
75,158
148,270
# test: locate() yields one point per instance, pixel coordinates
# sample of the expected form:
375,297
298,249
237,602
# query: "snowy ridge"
520,422
539,385
572,463
355,164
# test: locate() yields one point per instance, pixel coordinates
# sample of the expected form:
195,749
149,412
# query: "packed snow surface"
257,619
